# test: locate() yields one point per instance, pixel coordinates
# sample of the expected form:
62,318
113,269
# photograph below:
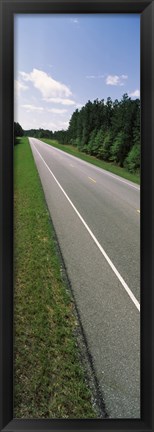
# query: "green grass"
108,166
49,380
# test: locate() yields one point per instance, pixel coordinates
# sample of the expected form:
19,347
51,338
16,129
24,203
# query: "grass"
108,166
49,380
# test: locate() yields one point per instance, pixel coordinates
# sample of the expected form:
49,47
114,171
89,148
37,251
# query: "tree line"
39,133
18,132
107,130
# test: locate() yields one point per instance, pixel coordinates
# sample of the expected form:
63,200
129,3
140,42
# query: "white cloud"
36,124
90,76
60,101
49,126
25,76
19,86
94,76
74,20
136,94
124,77
50,108
32,108
55,125
116,80
112,80
63,125
57,110
49,87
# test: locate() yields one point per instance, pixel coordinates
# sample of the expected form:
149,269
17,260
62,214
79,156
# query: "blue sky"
62,61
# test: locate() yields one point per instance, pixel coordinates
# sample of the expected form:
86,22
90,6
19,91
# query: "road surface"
96,216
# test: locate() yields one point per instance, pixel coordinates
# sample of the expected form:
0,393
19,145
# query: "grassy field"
49,380
108,166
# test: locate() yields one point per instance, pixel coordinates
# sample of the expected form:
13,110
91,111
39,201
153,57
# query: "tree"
118,148
104,151
132,162
87,124
72,130
108,113
116,121
98,142
136,128
91,144
107,130
18,132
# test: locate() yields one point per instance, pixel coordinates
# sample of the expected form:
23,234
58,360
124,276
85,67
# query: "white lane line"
105,172
127,289
92,179
122,181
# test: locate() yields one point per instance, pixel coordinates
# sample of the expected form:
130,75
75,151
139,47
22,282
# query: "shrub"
132,162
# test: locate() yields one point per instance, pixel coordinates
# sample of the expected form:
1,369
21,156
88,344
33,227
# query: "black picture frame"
7,10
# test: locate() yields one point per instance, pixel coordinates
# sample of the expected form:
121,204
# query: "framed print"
76,215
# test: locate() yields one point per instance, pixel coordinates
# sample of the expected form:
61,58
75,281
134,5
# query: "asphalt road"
96,216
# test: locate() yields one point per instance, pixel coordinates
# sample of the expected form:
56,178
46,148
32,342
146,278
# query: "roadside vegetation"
111,167
49,379
108,131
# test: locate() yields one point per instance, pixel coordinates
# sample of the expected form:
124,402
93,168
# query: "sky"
62,61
